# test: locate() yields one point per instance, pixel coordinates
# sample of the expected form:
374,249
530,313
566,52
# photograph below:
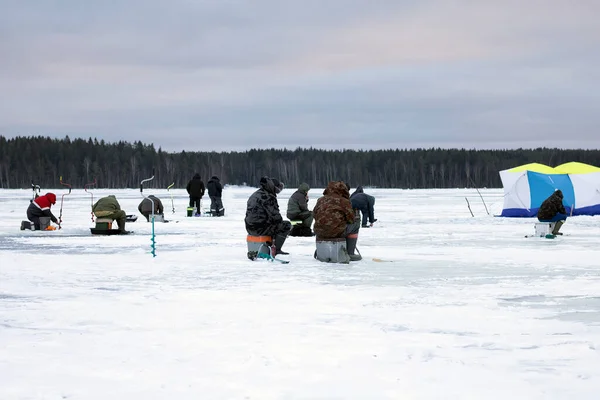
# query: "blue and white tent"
527,186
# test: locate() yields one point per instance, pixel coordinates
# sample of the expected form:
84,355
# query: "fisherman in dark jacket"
297,209
195,189
40,207
553,210
109,207
365,203
214,192
145,207
262,213
335,218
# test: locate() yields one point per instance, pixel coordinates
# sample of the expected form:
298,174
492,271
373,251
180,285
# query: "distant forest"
44,160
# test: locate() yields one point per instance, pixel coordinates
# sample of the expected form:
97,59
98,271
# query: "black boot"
351,247
279,241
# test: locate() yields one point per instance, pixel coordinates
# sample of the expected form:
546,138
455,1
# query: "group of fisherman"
336,215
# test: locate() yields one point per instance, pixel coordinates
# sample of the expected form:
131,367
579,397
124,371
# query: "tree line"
44,160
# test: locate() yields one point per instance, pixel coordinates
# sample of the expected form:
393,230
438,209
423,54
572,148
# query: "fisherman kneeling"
145,207
40,208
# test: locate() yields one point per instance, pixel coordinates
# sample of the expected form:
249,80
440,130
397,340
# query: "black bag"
299,230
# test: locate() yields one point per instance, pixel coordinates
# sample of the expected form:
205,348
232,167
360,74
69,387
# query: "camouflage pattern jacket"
333,212
551,206
262,211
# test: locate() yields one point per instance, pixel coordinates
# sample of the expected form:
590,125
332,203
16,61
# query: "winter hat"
304,188
278,185
51,198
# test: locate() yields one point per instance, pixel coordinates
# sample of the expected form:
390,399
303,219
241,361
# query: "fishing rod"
36,191
172,204
91,194
62,198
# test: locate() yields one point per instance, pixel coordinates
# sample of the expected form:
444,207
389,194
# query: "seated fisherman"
297,209
553,210
109,207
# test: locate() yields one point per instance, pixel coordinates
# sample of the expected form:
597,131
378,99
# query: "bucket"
332,251
255,243
104,224
44,223
260,245
544,228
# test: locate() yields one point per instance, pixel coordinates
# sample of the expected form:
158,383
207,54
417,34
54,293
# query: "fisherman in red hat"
40,207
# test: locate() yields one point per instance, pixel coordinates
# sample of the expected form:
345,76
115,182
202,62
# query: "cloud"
342,73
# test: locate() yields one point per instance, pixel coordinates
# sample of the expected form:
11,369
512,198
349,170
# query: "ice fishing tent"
586,185
576,168
527,186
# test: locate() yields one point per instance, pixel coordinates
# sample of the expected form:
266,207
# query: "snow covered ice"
461,307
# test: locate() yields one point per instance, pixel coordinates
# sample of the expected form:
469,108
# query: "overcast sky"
360,74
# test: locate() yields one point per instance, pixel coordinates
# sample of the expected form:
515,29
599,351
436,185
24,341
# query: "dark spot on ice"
108,289
457,333
525,298
6,296
393,328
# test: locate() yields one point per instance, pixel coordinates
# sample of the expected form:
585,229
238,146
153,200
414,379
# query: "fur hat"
278,185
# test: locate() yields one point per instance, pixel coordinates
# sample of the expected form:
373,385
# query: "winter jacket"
333,211
106,206
551,206
262,211
195,187
214,187
363,202
298,202
40,207
145,206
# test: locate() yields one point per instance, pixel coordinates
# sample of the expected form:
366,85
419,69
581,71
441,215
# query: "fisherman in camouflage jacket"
262,213
553,210
335,218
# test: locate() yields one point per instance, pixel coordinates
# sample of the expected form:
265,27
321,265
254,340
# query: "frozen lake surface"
461,307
